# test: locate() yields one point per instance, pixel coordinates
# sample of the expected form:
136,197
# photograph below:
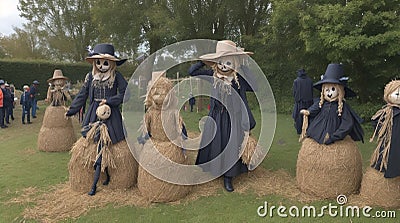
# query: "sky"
9,17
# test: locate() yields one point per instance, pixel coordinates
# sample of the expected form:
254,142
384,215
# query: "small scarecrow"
381,182
228,108
55,126
102,86
163,131
57,93
329,162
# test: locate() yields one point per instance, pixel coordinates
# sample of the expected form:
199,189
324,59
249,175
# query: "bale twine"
380,191
154,189
81,171
326,171
55,127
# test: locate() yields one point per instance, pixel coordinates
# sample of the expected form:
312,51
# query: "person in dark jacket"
333,118
10,113
229,108
33,93
192,101
26,102
303,97
103,85
8,102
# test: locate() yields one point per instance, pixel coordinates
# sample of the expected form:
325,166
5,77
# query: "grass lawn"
23,167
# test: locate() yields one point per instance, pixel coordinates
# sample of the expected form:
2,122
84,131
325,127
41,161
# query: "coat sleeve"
314,109
195,70
80,100
118,99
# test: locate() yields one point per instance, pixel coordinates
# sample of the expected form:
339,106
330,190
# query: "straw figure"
164,129
102,86
55,126
381,181
229,111
329,162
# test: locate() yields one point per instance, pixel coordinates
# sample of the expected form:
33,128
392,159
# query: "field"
28,177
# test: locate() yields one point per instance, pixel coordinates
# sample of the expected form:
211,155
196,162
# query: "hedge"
20,73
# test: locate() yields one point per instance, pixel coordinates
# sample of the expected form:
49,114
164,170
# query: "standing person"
104,85
192,101
303,97
2,109
33,93
229,111
8,102
26,103
11,109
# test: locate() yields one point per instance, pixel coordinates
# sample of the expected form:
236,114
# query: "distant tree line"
284,35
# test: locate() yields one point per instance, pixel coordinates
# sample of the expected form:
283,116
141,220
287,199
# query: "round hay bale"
49,139
81,171
54,117
327,171
380,191
154,189
55,127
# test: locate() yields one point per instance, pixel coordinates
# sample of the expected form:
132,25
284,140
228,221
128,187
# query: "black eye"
106,63
98,62
219,63
228,63
333,88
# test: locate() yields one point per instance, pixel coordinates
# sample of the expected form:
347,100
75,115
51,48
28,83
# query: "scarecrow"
381,182
329,162
102,86
303,97
228,109
164,131
55,125
57,93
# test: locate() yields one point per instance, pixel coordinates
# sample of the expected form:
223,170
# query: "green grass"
23,166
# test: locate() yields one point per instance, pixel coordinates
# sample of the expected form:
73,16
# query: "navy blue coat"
228,125
325,120
26,100
393,165
6,98
303,98
116,94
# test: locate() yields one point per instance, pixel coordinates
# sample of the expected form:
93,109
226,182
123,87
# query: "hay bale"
380,191
54,117
49,139
81,171
326,171
55,127
154,189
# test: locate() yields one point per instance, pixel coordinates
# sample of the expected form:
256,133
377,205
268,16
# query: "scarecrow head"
333,86
58,79
392,92
161,94
104,60
103,112
226,60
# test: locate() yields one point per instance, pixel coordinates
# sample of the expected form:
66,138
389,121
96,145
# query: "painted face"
394,97
102,65
331,92
59,82
226,65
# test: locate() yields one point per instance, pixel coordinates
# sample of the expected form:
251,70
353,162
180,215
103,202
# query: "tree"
65,25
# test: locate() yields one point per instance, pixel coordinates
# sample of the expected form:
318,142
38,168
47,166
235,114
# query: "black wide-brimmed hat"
334,75
104,51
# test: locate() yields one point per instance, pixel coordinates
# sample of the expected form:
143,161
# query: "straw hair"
383,129
326,171
380,191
